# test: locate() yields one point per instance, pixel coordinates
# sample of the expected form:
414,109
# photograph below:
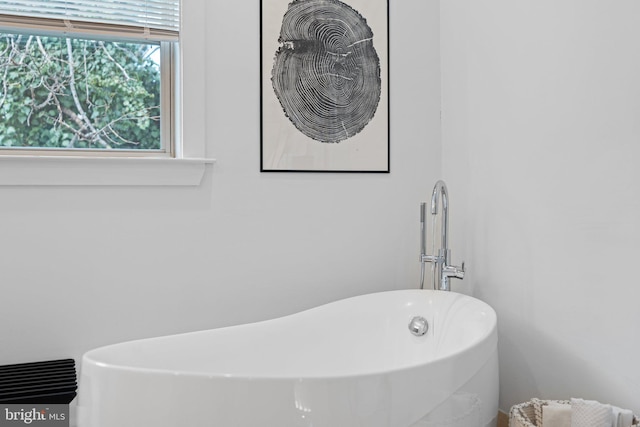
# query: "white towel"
589,413
622,417
556,415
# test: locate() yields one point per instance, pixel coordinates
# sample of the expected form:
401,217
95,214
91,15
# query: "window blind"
157,20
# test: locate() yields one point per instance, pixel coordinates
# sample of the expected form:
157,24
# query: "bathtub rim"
489,339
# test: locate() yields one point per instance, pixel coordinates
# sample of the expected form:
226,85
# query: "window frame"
167,108
189,162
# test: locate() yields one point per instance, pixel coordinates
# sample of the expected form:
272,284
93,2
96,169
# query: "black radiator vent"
50,382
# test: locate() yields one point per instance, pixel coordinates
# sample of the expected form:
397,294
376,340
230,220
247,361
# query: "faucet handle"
460,272
453,271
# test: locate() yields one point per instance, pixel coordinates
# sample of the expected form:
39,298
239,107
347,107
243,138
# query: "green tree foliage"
71,93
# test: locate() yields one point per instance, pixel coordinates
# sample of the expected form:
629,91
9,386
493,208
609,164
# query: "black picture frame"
324,86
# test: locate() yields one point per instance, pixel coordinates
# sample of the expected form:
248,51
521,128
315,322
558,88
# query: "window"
88,77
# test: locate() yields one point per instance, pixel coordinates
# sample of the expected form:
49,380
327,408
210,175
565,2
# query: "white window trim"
185,169
116,171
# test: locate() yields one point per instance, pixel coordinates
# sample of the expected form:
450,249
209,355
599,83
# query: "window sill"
100,171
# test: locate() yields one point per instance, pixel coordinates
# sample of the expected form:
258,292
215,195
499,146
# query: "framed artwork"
324,86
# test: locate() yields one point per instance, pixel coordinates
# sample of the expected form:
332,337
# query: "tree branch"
106,52
94,135
5,86
42,50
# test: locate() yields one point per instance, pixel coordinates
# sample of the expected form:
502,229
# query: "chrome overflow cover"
418,326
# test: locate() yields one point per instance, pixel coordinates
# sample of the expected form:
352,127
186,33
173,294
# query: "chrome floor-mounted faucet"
443,270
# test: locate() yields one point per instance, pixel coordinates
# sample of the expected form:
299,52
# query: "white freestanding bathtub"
351,363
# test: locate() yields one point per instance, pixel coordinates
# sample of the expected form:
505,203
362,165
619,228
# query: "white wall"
84,267
541,137
541,102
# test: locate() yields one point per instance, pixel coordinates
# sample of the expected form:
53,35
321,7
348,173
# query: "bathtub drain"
418,326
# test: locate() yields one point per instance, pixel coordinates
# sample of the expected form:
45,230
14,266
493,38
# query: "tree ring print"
326,72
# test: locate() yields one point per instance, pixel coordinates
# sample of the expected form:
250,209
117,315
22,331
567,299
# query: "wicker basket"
529,414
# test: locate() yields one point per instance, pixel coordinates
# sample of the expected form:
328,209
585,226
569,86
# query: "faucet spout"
443,270
441,189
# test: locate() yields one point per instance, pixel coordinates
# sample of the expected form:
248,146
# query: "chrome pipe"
441,188
423,230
